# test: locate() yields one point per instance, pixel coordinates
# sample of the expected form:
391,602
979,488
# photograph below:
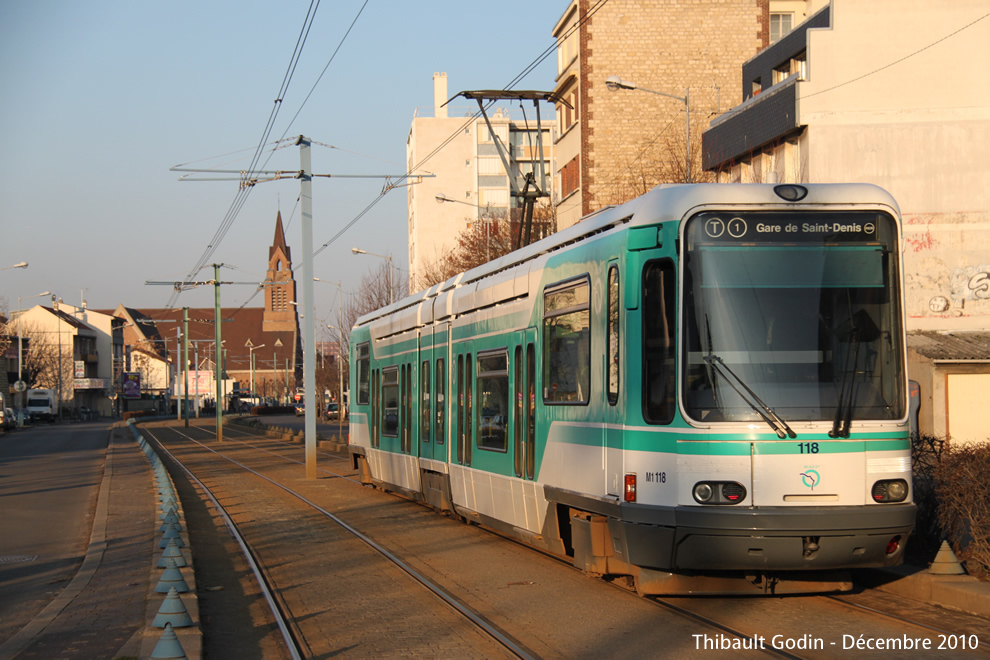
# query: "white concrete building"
887,92
895,93
449,142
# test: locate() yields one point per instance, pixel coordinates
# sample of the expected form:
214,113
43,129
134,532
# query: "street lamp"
391,271
23,264
251,350
485,214
614,83
20,386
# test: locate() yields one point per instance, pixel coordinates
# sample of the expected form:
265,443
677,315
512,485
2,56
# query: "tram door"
433,387
612,372
523,374
462,438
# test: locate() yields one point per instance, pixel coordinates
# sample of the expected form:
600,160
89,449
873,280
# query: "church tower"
280,292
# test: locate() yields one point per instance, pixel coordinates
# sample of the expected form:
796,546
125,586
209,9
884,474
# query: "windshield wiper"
772,419
860,327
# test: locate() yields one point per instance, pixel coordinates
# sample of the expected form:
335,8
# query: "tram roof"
664,203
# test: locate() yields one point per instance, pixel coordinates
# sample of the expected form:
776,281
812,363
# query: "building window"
780,24
485,136
570,179
490,166
567,49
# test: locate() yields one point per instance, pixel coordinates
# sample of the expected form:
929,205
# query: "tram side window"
567,343
613,335
659,304
493,401
363,364
441,381
390,402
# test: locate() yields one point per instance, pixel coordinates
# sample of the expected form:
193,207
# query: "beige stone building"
455,147
615,145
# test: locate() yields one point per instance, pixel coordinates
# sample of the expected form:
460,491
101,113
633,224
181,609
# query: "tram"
702,388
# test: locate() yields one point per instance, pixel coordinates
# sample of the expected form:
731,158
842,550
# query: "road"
50,477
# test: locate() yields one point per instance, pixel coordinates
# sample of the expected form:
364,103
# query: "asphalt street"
50,477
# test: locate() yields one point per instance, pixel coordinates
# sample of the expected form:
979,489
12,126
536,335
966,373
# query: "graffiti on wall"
967,285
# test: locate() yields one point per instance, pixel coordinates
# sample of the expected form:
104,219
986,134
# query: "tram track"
691,611
293,635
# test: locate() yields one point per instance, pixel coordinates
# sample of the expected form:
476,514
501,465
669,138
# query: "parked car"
300,409
7,418
332,411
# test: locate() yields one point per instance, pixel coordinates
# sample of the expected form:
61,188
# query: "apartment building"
469,182
897,94
616,145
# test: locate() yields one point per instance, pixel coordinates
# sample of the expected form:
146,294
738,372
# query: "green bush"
963,504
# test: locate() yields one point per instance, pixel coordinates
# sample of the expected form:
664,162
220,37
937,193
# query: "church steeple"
280,290
278,243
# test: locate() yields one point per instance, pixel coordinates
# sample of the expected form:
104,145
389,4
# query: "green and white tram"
707,381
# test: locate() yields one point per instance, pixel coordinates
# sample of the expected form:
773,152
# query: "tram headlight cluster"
719,492
890,490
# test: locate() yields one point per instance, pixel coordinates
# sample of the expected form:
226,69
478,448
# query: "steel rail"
293,644
492,630
901,619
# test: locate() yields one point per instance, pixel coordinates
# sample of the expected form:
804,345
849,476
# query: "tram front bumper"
763,539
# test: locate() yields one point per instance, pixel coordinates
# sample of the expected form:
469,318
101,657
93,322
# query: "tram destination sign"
812,227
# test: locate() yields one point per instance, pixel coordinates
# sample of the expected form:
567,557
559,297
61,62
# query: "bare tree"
378,288
5,327
486,240
44,363
657,160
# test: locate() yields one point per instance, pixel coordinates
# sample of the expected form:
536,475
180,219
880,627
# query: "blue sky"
102,98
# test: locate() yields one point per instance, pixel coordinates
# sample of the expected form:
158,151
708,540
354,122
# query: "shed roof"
951,345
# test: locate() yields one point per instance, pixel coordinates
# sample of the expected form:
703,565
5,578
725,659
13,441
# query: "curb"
144,643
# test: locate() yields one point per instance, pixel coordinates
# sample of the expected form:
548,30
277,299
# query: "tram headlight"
890,490
791,192
719,492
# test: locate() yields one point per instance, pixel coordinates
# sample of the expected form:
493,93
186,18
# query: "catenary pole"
219,403
309,336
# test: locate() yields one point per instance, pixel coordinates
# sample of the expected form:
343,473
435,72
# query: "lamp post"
614,83
251,350
486,216
58,319
20,386
196,343
391,271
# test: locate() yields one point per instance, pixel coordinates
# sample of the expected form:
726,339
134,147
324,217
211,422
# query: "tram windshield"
795,312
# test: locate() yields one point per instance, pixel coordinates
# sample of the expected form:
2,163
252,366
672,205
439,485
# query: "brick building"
613,146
